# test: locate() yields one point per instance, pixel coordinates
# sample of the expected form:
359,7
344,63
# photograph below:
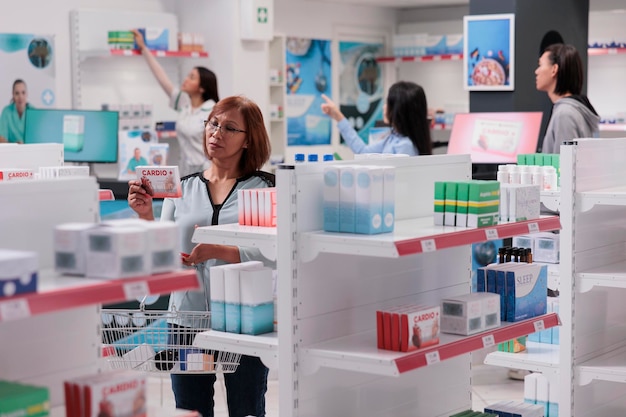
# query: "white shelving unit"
54,334
593,336
330,285
278,124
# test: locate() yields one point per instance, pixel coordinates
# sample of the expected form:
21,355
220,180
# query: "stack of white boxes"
116,249
242,298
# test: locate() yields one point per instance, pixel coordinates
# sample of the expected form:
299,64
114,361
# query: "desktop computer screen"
495,138
87,135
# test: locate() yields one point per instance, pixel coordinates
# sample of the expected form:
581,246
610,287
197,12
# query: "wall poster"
488,52
361,87
30,58
308,77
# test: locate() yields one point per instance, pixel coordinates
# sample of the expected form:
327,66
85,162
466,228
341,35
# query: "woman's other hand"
139,200
139,40
331,109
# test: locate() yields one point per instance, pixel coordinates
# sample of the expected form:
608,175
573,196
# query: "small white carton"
69,247
117,252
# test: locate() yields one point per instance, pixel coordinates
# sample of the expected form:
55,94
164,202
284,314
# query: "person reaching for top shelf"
193,101
405,111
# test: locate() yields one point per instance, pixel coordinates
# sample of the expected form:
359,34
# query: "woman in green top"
12,120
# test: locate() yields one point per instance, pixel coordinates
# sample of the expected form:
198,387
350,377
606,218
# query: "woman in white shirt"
193,101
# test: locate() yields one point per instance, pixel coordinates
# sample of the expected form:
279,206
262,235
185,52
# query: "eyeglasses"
226,131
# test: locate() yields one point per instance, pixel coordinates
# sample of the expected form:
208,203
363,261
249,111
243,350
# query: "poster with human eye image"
488,52
308,77
361,88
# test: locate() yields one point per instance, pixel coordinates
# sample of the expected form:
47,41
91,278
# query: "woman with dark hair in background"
193,101
405,111
560,74
12,120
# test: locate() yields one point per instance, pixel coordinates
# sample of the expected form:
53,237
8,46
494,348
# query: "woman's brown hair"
258,151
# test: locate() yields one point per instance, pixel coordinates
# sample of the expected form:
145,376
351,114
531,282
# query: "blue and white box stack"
359,198
331,198
218,297
369,200
233,292
347,199
257,301
389,198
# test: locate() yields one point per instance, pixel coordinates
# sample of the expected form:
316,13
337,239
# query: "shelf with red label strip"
416,236
57,292
164,54
359,353
606,51
423,58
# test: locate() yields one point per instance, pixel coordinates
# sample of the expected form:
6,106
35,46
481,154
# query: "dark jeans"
245,389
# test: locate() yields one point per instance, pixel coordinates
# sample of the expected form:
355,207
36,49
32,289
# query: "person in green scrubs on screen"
12,119
135,161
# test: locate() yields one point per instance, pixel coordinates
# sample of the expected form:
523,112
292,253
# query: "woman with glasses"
405,111
237,145
193,101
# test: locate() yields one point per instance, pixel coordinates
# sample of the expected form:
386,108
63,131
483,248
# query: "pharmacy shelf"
280,84
606,51
166,134
611,275
58,292
103,53
423,58
265,346
416,236
160,54
612,127
538,357
614,196
359,353
263,238
608,367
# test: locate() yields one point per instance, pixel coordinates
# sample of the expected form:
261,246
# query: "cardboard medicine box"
483,204
160,182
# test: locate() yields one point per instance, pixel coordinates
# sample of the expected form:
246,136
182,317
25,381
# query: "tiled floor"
489,385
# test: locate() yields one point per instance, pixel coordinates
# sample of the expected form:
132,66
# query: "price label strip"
539,325
492,234
14,310
489,341
432,357
135,290
428,245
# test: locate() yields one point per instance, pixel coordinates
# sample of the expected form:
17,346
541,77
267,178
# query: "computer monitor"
495,138
86,135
